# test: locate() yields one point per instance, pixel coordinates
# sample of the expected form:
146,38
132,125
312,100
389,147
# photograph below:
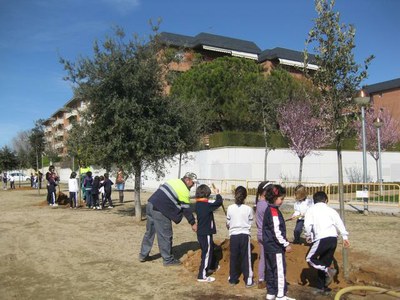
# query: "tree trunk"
138,206
266,153
301,168
341,202
180,165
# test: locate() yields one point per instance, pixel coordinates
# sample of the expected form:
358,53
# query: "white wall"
248,164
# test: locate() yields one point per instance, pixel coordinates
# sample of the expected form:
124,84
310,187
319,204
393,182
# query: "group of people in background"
96,190
320,223
36,180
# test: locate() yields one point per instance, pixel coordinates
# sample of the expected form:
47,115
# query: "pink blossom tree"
389,133
300,124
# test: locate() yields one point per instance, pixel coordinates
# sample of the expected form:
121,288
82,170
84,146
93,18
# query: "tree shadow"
182,249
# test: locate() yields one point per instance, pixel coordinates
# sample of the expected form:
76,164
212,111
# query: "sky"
34,34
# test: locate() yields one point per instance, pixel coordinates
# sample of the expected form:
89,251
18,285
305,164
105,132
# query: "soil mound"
298,271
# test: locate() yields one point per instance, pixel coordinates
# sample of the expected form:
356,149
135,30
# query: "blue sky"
35,33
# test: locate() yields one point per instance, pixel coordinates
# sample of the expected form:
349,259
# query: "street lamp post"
378,124
363,101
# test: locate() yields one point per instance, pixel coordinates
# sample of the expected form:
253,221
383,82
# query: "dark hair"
73,175
260,189
101,177
51,168
273,192
96,179
89,174
320,197
105,175
240,195
203,191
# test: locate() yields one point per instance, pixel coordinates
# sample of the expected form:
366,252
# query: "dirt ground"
63,253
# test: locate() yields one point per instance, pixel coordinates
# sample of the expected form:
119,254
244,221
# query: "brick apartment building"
205,46
208,47
386,95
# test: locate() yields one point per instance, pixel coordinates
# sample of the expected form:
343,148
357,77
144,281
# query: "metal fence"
354,193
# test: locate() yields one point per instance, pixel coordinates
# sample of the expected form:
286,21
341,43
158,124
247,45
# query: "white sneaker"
110,207
94,207
55,204
270,297
284,298
207,279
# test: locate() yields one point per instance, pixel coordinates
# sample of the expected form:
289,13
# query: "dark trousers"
89,198
107,197
49,200
320,257
297,231
73,199
208,261
95,199
275,275
240,261
53,198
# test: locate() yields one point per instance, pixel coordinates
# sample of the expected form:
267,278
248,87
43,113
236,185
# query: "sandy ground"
63,253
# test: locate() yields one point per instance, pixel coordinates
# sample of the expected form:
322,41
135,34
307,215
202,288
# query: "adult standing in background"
49,175
120,182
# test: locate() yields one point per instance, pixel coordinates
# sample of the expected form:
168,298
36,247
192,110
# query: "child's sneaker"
330,273
110,207
214,270
207,279
248,286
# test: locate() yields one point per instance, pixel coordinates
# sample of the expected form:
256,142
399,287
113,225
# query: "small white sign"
362,194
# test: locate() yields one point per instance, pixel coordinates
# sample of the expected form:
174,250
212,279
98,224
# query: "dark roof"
177,40
207,39
272,54
218,41
383,86
226,43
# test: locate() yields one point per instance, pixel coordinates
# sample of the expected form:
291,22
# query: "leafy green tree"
130,121
220,89
8,159
37,144
338,78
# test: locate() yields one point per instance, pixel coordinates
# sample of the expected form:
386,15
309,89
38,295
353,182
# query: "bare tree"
304,129
389,132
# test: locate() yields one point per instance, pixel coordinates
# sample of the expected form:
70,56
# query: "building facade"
188,51
386,95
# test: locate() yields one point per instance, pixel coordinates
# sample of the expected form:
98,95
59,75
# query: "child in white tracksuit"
239,219
321,224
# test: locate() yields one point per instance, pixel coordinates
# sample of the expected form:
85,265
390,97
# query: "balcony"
71,114
59,145
58,122
59,133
